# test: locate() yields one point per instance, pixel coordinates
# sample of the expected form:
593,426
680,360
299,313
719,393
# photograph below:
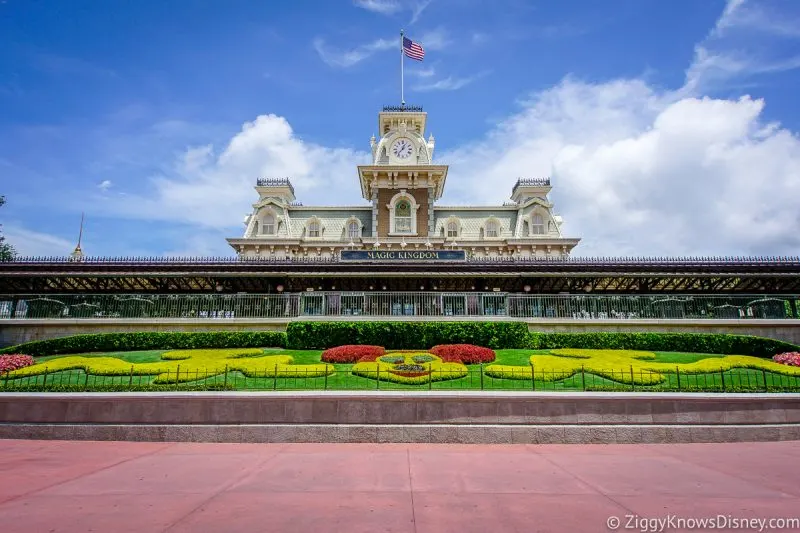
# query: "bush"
406,335
351,353
168,340
717,343
467,354
15,361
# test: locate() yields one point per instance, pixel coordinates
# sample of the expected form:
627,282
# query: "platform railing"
400,305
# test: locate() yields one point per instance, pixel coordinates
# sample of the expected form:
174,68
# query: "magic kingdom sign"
403,255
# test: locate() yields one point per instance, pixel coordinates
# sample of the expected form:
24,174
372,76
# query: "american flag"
412,49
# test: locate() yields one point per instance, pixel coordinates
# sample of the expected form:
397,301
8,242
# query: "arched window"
313,228
268,224
353,231
492,229
402,216
537,224
452,229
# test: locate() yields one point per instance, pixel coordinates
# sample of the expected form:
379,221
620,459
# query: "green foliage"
406,335
168,340
710,343
7,252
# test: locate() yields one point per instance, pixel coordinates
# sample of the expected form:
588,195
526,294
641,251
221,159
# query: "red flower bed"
352,353
788,358
15,361
468,354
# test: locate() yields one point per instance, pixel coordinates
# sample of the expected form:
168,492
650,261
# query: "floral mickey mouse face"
410,368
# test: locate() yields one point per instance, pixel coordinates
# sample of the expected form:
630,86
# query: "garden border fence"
476,378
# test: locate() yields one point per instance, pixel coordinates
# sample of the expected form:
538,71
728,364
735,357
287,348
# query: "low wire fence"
475,377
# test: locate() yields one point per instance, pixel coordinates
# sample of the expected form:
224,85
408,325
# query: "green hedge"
168,340
406,335
718,343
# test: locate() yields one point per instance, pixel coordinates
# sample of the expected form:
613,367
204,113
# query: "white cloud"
748,39
347,58
211,189
390,7
637,172
104,185
34,243
449,83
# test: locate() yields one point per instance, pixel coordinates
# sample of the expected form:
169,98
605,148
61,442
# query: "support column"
431,220
374,212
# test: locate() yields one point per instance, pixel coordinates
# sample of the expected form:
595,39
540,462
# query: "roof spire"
77,253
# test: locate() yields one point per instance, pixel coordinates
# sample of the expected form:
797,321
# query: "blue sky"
668,127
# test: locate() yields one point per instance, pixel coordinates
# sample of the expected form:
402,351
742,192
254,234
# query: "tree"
7,252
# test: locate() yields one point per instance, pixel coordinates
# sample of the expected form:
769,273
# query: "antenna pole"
80,232
402,95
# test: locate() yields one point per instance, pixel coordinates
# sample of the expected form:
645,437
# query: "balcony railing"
400,305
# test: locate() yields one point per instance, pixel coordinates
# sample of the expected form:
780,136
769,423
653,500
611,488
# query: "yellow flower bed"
617,364
185,365
386,368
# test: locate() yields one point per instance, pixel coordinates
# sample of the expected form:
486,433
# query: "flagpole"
402,95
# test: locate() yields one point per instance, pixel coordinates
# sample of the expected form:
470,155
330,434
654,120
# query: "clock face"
402,148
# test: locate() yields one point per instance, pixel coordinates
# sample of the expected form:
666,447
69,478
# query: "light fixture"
403,244
527,288
371,287
219,287
428,244
279,288
384,287
376,244
422,287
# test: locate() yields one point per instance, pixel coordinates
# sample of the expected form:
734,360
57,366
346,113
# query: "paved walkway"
116,487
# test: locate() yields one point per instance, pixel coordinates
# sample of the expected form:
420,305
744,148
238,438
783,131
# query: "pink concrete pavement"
116,487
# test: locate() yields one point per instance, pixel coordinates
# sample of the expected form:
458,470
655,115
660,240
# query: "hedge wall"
406,335
169,340
718,343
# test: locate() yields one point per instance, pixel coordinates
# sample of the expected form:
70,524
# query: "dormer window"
314,230
537,223
353,230
452,229
492,229
268,225
402,216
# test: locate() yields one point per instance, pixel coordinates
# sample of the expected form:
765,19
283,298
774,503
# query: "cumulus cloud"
449,83
104,185
215,189
636,171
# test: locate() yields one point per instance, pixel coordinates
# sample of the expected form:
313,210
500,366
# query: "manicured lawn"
565,377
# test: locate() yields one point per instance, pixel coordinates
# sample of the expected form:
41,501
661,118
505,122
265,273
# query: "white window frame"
537,224
412,226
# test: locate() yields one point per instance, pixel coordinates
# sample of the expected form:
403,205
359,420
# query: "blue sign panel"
404,255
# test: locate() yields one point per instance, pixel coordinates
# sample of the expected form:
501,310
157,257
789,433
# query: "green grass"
343,379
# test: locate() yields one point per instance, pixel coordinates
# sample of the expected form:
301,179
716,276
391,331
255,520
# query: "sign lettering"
402,255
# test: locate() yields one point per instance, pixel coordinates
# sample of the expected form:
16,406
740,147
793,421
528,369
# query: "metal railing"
476,378
385,304
597,261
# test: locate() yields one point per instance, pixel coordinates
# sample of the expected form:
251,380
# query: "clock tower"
402,182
